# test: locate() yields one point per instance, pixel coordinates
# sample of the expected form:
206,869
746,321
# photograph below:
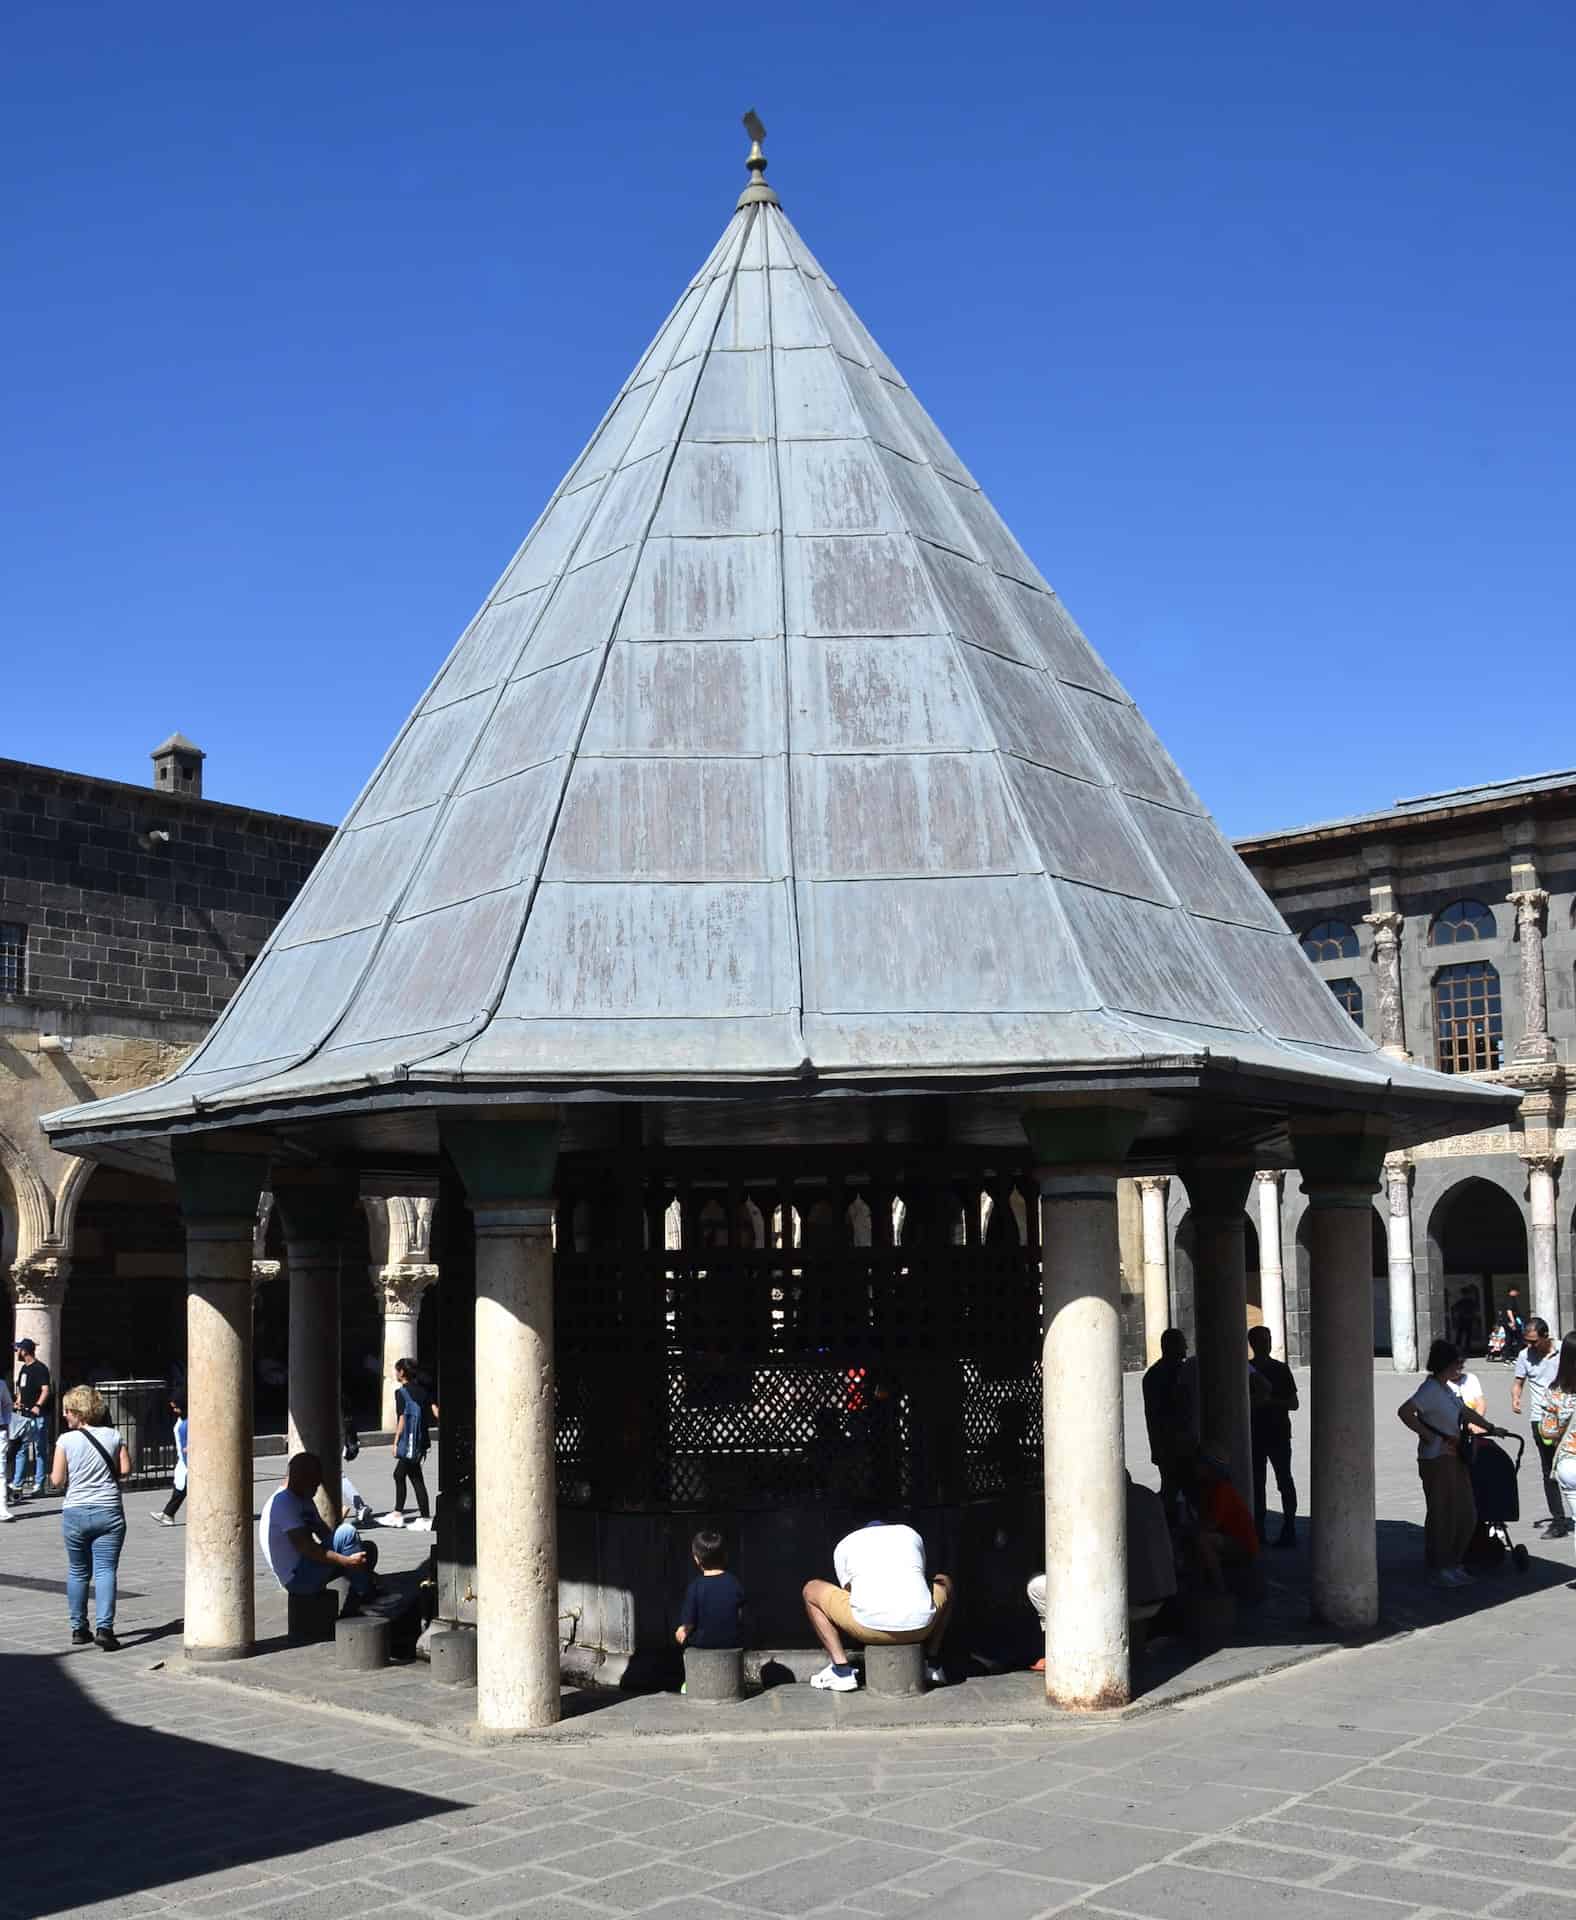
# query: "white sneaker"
162,1517
831,1681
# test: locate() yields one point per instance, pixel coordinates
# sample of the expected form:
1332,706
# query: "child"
710,1615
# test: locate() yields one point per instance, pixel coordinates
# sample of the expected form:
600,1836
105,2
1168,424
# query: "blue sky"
1254,319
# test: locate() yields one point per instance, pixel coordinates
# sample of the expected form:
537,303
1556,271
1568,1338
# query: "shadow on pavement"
139,1809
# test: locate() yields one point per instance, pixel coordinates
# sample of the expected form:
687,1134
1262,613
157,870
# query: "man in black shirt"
1272,1398
32,1404
1171,1414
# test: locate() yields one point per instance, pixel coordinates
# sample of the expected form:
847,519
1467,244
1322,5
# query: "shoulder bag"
102,1452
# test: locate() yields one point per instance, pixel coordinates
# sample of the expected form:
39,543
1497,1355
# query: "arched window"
1468,1031
1350,996
1462,920
1330,940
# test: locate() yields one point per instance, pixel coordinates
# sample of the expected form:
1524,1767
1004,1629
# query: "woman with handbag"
1557,1427
90,1462
1443,1426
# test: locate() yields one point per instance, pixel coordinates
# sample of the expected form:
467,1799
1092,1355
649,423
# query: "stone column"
508,1162
1542,1169
398,1291
1403,1276
1153,1190
1387,971
1534,1047
1272,1275
218,1198
1219,1197
315,1213
1340,1157
38,1287
1078,1153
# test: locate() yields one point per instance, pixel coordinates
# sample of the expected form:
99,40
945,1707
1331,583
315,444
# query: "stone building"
127,917
1446,927
773,859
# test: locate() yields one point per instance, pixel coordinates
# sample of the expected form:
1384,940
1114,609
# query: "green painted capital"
215,1184
1340,1150
506,1155
315,1206
1081,1136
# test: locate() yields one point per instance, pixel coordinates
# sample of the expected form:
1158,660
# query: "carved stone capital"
1269,1176
1398,1182
1387,927
263,1271
1530,904
399,1289
1154,1183
1549,1163
40,1279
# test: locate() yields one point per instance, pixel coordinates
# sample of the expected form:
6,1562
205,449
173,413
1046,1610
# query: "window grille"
1461,921
1350,996
1468,1029
13,958
1330,940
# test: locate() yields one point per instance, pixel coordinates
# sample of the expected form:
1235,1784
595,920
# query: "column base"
202,1656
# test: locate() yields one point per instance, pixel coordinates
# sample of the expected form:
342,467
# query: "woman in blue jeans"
90,1463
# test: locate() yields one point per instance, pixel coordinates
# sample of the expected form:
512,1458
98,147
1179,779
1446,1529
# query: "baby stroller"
1498,1499
1496,1344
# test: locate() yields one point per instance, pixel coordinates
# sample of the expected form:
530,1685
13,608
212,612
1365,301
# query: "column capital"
1154,1183
1065,1138
1543,1162
1530,904
217,1184
1268,1176
506,1157
315,1205
399,1289
263,1271
40,1279
1340,1156
1387,927
1217,1189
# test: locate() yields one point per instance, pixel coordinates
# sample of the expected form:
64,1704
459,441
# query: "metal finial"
757,193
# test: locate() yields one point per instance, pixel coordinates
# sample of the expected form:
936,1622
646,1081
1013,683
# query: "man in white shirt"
1536,1365
298,1544
884,1597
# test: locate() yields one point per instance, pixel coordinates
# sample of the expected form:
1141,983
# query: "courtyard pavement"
1421,1774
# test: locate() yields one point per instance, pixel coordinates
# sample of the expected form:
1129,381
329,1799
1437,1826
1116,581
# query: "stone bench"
713,1676
452,1654
895,1670
310,1617
361,1644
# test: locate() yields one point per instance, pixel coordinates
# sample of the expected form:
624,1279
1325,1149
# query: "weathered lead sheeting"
771,757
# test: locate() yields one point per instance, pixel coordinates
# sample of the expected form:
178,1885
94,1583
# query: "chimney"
177,767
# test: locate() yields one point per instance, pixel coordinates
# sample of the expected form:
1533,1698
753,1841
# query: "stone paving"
1421,1775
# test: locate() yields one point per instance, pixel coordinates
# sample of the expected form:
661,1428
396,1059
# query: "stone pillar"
398,1291
1542,1169
1340,1157
315,1213
1533,1047
1153,1189
508,1161
1219,1197
1403,1276
1387,972
1078,1153
1272,1274
38,1288
218,1199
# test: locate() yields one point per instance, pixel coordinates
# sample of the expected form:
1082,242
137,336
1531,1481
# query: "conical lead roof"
770,757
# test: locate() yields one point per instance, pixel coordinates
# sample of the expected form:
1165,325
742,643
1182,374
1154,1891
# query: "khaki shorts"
838,1609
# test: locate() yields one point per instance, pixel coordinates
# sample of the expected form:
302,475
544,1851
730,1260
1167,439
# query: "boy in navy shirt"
710,1615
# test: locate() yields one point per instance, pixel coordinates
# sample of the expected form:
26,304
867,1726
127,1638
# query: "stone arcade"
776,930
